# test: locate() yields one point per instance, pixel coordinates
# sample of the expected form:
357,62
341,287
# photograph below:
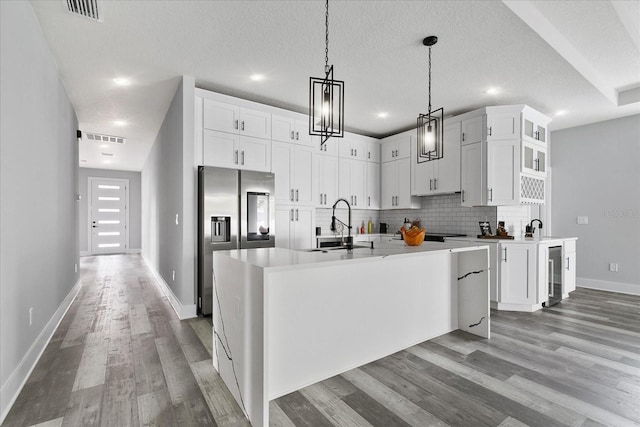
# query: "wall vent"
94,137
87,8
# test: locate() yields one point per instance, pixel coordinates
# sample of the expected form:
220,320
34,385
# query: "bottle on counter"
369,227
362,228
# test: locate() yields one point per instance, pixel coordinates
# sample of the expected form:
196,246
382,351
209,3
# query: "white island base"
290,319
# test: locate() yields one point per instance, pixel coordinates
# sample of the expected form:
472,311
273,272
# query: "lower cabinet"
295,227
518,273
569,267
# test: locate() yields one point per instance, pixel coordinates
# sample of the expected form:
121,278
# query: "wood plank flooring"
120,357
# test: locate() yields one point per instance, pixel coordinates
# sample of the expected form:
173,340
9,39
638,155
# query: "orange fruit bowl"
414,236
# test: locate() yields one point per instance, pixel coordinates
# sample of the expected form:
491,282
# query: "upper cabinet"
473,130
534,126
223,117
372,148
443,175
396,147
352,147
235,151
287,129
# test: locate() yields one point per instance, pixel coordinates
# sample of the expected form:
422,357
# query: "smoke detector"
95,137
87,8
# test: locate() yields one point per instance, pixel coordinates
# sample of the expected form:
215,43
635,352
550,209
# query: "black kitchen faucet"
529,230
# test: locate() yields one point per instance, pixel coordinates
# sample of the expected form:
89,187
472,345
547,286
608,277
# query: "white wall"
135,202
168,189
38,207
596,173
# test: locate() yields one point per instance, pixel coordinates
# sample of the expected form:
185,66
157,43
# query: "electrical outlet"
173,275
583,220
30,316
613,266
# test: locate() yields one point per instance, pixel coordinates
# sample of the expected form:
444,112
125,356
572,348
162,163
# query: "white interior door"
108,220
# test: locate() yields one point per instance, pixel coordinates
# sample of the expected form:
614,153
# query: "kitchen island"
286,319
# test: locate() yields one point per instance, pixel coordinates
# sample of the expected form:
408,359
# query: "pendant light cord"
326,39
429,81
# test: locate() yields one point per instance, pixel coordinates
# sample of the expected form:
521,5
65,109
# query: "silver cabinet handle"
291,214
291,197
325,198
537,164
291,134
297,135
568,261
430,184
242,125
491,194
242,156
397,153
355,200
551,290
435,183
463,195
489,130
355,152
505,254
297,215
320,198
296,195
463,136
352,151
368,200
369,155
236,124
235,157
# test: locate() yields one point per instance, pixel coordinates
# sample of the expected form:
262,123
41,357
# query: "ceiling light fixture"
561,112
383,115
257,77
120,123
430,129
122,81
326,98
492,91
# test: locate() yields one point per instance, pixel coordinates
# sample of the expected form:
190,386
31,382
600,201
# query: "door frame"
90,212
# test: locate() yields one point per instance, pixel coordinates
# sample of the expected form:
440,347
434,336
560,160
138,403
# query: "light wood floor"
121,357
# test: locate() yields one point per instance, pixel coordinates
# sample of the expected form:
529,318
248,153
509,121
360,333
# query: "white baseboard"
16,381
134,251
85,253
184,311
623,288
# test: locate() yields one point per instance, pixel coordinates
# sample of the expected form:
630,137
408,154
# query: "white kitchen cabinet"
534,126
288,129
223,117
473,130
373,185
503,125
569,267
395,187
352,147
503,172
236,151
327,182
295,227
330,147
351,186
473,174
518,274
372,151
396,147
443,175
534,159
295,171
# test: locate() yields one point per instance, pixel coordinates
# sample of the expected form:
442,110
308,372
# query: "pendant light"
326,98
430,129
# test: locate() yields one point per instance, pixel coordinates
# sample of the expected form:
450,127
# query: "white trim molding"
18,378
623,288
183,311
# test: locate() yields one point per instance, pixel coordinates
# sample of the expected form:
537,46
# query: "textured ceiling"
375,47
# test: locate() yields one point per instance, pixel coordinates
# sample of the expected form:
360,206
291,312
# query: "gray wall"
168,188
38,184
596,173
135,202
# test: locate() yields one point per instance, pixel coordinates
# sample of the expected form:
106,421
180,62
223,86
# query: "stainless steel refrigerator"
236,210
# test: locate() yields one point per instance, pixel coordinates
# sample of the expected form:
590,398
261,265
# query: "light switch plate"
583,220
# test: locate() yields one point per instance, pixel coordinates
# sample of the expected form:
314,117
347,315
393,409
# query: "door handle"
296,214
242,157
291,214
236,124
355,198
291,134
368,200
320,198
491,194
568,261
463,195
94,226
235,157
369,155
430,184
242,125
291,197
463,136
505,254
489,130
296,195
435,183
297,135
355,152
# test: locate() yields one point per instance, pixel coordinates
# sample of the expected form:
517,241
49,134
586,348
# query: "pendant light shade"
429,126
326,98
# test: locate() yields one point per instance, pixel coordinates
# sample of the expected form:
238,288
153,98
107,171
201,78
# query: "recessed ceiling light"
120,123
561,112
122,81
492,91
383,115
104,146
257,77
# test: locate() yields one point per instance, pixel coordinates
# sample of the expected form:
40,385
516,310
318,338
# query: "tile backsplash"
358,218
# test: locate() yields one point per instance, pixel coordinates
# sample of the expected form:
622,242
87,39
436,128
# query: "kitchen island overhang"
286,319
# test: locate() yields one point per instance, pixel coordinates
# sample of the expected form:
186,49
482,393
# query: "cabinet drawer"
569,246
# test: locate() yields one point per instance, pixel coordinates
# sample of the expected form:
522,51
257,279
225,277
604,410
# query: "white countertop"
287,258
527,240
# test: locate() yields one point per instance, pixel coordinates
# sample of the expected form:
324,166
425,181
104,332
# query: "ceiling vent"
94,137
87,8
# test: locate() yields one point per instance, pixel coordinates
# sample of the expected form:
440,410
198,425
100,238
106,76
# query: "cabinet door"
281,164
284,225
220,149
534,159
404,183
344,183
358,179
373,152
517,273
301,135
330,147
328,180
503,172
359,149
255,123
388,185
503,126
255,154
282,128
220,116
388,150
533,131
472,174
304,226
373,186
569,273
473,130
404,146
303,175
423,175
448,170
